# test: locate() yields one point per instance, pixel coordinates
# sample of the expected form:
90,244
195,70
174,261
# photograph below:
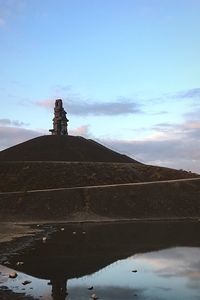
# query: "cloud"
191,93
82,108
10,136
193,115
171,145
80,131
79,106
8,122
162,112
121,107
48,103
175,262
189,127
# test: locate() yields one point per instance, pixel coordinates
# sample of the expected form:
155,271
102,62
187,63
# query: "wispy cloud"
162,112
191,93
8,122
80,131
82,108
48,103
120,107
168,153
193,115
175,262
171,145
10,136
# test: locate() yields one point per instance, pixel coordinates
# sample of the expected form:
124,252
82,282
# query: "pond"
138,260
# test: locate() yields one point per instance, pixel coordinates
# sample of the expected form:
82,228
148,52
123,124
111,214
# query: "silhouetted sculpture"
59,120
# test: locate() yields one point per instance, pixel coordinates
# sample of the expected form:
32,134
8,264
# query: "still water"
120,261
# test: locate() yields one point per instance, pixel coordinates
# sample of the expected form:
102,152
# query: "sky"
128,73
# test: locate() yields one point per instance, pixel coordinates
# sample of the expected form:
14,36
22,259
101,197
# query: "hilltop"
62,148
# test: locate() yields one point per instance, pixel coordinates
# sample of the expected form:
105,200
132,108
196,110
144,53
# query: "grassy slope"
22,176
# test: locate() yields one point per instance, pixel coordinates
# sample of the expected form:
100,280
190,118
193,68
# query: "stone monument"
60,120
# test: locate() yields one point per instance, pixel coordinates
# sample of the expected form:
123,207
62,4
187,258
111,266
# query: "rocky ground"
14,237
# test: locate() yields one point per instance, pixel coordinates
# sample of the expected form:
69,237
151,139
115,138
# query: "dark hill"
69,161
62,148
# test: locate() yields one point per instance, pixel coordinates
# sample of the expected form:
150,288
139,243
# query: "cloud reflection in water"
167,274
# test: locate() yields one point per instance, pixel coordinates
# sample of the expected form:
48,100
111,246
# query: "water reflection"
104,256
59,289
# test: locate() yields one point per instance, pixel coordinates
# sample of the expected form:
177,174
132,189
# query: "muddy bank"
155,200
6,294
10,231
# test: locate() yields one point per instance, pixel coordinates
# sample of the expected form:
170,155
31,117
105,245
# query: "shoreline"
102,220
17,236
15,230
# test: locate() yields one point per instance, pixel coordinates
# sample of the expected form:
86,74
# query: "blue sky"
128,72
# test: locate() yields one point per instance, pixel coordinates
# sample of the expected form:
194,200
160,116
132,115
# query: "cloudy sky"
128,72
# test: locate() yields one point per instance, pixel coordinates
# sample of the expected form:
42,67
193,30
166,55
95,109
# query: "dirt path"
103,186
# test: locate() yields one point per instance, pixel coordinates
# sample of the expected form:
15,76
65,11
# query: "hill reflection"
73,251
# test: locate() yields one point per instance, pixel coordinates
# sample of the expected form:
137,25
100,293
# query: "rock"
19,263
134,271
94,296
44,239
13,275
83,232
62,229
90,288
74,232
25,282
